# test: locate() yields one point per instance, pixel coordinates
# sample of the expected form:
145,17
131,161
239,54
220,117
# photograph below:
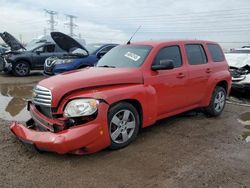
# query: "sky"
224,21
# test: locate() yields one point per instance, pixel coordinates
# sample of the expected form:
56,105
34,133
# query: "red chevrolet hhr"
131,87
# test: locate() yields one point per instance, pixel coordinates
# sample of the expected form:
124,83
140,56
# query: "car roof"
160,42
102,44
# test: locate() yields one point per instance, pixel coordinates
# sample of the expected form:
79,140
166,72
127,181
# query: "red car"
131,87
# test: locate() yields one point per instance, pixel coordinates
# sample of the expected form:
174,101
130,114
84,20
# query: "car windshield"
125,56
93,47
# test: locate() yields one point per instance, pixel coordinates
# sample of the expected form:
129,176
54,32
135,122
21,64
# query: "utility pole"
51,20
71,24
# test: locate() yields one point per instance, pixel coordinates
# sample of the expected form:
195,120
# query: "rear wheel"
217,102
124,123
21,68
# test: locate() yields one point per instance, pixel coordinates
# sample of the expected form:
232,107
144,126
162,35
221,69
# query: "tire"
217,103
21,68
124,124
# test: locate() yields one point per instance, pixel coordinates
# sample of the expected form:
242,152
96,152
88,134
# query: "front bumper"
82,139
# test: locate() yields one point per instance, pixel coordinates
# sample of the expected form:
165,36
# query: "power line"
52,23
71,24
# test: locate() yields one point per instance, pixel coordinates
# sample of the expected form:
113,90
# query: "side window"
196,54
40,49
216,52
50,48
169,53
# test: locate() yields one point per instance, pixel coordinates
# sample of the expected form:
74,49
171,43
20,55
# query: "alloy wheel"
21,69
122,126
219,101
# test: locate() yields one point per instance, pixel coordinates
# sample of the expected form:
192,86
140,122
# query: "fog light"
69,123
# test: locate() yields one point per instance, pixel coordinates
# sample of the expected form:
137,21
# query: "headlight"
65,61
81,107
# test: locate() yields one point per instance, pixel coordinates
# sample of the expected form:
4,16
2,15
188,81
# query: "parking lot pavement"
189,150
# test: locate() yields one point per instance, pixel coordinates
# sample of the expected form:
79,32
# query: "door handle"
180,75
208,70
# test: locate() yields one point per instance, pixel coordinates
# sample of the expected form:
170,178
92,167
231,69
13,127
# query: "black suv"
21,60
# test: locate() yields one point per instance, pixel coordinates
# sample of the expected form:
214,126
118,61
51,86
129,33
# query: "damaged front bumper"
81,139
5,65
241,78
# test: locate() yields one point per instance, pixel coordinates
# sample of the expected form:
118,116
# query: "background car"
78,57
21,60
3,50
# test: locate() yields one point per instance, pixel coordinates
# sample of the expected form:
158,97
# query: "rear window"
216,52
196,54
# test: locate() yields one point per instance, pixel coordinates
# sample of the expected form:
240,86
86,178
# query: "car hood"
238,59
66,42
89,78
11,41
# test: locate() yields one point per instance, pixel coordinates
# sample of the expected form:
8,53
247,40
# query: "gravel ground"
189,150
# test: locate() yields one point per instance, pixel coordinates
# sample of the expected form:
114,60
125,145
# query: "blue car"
78,56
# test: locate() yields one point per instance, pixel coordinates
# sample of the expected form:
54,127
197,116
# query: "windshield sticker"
132,56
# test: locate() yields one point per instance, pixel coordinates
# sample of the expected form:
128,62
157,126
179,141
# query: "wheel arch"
25,60
137,106
223,84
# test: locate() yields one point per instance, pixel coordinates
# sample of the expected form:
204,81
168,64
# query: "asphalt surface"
188,150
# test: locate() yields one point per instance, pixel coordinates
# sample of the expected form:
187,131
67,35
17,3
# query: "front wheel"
124,123
217,103
21,68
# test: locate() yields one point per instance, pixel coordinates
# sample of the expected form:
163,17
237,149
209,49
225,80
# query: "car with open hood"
21,60
78,56
131,87
239,62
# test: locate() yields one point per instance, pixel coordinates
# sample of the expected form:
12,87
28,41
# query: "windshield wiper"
107,66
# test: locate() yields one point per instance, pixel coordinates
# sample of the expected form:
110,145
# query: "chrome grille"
50,61
42,96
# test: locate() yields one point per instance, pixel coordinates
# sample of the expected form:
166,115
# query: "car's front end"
7,61
241,78
239,63
58,65
74,127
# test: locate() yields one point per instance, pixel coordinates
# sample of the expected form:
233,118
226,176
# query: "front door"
41,54
171,85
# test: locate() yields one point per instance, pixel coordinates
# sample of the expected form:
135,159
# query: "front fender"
145,95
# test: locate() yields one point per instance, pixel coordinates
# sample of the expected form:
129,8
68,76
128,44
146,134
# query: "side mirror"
165,64
100,54
38,52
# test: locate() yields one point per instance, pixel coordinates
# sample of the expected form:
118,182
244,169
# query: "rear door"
199,72
41,54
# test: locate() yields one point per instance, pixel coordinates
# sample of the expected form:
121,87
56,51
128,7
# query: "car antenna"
133,35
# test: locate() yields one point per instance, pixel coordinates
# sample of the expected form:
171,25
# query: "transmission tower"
71,24
52,23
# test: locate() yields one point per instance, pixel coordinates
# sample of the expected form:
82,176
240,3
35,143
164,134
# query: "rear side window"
216,52
169,53
50,48
196,54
